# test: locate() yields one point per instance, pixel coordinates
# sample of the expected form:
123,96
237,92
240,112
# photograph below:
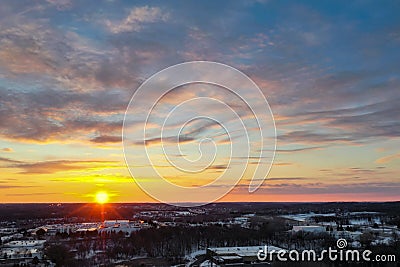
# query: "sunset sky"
329,70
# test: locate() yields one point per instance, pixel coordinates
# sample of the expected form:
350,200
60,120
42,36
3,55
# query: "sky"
329,70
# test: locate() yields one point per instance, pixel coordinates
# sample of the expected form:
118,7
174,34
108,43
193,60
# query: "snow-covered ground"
302,217
192,256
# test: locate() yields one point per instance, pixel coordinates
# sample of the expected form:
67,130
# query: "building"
124,226
239,256
22,249
309,228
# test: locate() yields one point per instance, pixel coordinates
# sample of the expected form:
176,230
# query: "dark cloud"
8,160
168,140
291,150
50,114
282,163
218,167
315,138
106,139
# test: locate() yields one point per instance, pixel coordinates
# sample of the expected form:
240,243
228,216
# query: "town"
220,234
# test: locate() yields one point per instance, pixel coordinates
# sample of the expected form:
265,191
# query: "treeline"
171,243
92,212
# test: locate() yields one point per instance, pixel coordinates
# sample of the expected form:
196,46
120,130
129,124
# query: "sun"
101,197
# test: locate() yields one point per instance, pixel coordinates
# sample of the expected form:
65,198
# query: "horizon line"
224,202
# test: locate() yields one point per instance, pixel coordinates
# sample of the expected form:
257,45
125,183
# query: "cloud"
51,72
191,132
7,149
167,140
387,159
60,4
73,64
62,58
16,186
106,139
284,179
388,188
282,163
48,167
137,17
346,107
30,194
93,178
49,119
7,160
5,180
347,174
291,150
311,137
218,167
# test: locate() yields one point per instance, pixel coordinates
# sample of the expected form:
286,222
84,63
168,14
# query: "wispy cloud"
387,159
137,18
389,188
29,194
11,186
106,139
300,149
8,160
60,4
47,167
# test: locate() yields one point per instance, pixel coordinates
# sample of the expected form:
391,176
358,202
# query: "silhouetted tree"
59,254
35,260
366,239
40,232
